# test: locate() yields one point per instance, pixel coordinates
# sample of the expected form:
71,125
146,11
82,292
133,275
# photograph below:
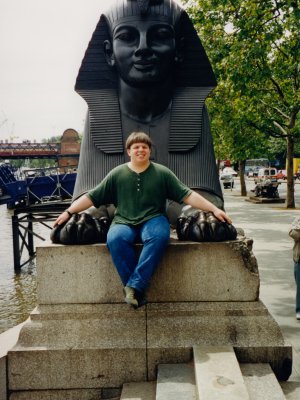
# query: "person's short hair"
138,137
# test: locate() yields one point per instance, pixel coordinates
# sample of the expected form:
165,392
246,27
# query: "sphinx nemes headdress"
97,82
194,71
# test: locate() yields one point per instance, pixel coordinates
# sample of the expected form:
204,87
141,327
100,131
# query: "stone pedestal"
83,337
265,200
189,271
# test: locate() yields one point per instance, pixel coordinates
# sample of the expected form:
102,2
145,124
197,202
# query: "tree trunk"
242,164
290,191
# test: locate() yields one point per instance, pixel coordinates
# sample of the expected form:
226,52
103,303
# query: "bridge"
66,152
31,150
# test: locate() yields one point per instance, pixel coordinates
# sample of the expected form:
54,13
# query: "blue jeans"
135,271
297,279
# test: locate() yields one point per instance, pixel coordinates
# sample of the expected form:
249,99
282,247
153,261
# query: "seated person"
139,190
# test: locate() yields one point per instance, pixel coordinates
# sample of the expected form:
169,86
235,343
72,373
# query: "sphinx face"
143,51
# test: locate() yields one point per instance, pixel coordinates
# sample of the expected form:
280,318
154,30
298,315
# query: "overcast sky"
42,43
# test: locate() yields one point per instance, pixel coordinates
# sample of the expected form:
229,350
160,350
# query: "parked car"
282,174
249,172
253,171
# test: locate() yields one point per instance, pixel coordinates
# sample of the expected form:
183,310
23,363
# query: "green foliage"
254,48
53,139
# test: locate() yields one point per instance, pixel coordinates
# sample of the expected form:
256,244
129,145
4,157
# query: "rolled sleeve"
102,193
177,190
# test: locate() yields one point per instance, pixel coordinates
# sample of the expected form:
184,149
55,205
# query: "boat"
24,187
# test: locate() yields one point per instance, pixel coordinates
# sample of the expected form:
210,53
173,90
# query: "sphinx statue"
145,69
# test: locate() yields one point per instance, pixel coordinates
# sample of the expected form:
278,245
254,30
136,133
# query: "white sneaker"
130,297
298,315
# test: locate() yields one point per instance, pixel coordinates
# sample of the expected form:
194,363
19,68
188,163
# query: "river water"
17,290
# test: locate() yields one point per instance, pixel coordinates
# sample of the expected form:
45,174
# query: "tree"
255,51
233,138
53,139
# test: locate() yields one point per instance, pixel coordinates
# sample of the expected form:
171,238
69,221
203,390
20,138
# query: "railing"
23,222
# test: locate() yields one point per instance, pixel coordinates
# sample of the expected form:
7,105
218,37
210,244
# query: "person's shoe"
298,315
140,296
130,297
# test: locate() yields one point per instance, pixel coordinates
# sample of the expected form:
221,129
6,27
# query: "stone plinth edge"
189,271
104,345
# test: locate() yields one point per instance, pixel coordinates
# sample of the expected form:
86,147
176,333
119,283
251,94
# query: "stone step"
176,381
218,375
138,391
261,382
83,394
291,389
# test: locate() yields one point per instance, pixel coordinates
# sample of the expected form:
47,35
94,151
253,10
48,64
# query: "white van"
266,173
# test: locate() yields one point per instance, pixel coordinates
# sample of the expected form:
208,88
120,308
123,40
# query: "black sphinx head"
193,70
144,5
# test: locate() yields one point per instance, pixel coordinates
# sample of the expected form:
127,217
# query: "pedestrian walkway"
268,225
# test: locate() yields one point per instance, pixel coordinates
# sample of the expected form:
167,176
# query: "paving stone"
176,381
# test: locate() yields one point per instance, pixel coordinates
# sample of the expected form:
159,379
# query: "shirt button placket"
138,184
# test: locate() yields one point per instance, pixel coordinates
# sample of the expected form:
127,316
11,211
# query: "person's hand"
222,216
63,217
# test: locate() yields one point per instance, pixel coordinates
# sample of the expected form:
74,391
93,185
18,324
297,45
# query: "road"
268,225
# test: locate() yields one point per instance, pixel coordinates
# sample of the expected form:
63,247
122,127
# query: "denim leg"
120,243
155,236
297,279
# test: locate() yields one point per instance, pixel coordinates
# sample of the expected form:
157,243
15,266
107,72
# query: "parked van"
266,173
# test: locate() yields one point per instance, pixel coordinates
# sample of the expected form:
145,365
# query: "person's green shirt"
138,197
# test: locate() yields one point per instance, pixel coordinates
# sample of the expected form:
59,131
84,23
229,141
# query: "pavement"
268,225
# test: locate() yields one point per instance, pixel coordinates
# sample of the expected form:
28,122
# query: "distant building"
70,147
